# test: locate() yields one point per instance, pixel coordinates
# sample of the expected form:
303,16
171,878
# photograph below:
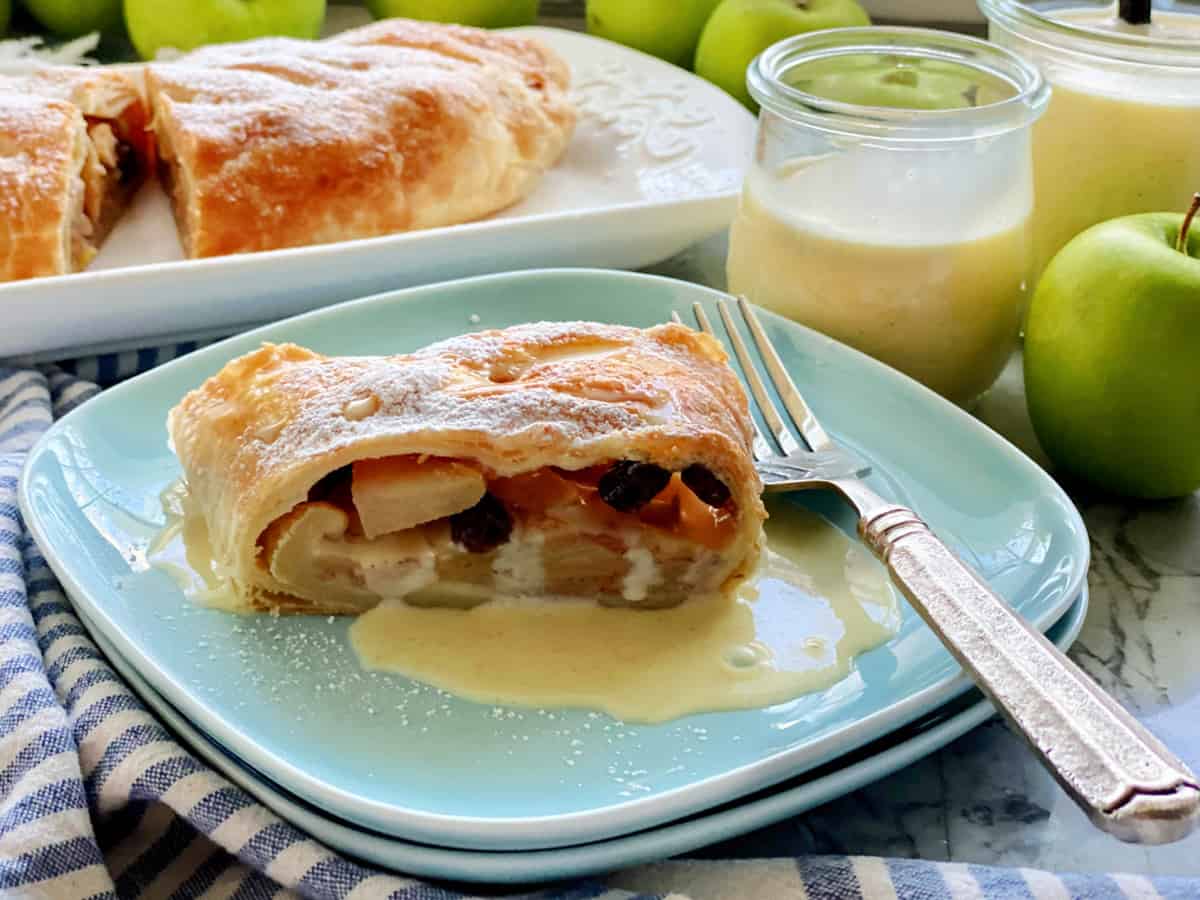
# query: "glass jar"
1122,132
888,201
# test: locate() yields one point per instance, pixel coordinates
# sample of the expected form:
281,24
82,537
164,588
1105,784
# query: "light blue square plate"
397,757
868,763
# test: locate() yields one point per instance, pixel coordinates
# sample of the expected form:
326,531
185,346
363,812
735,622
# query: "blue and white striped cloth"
98,800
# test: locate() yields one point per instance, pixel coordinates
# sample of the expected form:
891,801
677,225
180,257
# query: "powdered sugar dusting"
35,162
390,127
434,397
448,388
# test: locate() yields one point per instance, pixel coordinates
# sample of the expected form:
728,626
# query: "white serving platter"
655,165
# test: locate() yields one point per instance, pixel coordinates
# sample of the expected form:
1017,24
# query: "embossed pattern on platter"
661,123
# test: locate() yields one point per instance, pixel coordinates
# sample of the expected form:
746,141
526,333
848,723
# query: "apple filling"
110,173
437,531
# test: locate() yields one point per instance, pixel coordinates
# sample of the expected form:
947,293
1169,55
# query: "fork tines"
797,411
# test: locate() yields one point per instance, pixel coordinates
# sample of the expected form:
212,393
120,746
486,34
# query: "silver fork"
1127,782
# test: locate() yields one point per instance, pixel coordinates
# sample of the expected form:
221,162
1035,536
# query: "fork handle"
1127,782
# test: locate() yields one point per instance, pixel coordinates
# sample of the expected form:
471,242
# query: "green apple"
899,81
71,18
668,29
739,30
1112,356
186,24
480,13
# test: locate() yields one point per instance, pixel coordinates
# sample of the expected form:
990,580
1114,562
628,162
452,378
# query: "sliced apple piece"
309,549
398,492
293,545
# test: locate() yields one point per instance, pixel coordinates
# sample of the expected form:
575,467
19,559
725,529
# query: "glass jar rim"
1062,34
765,81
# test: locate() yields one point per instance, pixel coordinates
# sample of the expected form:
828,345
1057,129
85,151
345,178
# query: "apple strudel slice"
73,151
544,461
394,126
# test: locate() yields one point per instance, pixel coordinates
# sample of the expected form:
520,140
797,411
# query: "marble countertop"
984,799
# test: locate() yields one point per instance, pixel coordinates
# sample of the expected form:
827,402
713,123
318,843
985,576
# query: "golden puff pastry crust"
42,152
395,126
73,151
541,402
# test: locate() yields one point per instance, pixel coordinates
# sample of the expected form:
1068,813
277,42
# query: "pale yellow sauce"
942,308
183,551
817,601
1114,142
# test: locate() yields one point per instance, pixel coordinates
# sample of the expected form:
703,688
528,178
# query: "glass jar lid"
898,83
1094,28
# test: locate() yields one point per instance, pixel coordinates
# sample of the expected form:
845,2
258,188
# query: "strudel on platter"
394,126
73,151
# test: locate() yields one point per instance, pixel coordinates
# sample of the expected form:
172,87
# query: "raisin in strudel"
545,460
394,126
73,151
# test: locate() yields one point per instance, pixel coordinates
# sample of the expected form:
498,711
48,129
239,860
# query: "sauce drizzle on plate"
817,601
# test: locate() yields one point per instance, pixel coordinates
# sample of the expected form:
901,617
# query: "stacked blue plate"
404,775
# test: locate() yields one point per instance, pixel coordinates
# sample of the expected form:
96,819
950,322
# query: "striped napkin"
98,799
